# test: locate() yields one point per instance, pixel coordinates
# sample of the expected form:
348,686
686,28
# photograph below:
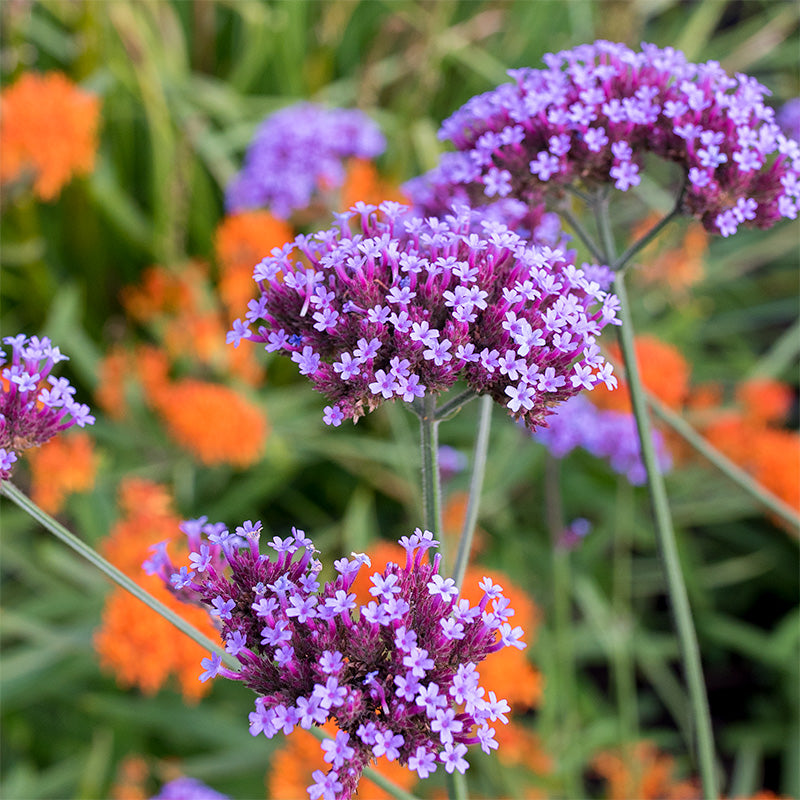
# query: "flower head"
48,125
34,404
596,110
403,307
610,435
399,683
214,422
298,151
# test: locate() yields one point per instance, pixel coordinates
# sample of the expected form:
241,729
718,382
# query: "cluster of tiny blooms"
398,675
34,405
434,193
609,435
403,307
594,113
188,789
48,127
299,151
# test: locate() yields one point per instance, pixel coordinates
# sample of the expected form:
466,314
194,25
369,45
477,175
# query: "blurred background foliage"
182,87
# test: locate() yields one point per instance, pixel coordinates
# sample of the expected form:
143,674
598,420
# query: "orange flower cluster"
363,182
179,307
215,423
63,466
664,372
138,645
293,763
643,772
48,127
241,241
129,782
749,436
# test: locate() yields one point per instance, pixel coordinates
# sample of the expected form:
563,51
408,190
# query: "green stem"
624,667
725,465
456,786
620,264
60,532
454,405
687,637
475,486
562,624
429,446
582,233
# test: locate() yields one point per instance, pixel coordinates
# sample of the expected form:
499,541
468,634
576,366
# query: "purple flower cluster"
188,789
434,194
298,151
594,113
403,306
397,675
34,405
610,435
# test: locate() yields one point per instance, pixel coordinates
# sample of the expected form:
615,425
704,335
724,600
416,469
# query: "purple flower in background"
188,789
610,435
459,298
595,112
34,405
434,194
299,151
789,118
574,533
398,675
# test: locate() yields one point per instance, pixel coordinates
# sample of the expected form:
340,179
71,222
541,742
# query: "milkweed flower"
404,306
610,435
136,644
215,423
595,112
239,242
398,674
61,467
296,153
48,125
34,405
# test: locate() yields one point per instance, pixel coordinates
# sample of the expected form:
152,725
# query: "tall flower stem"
432,514
624,667
562,622
429,447
676,586
60,532
475,487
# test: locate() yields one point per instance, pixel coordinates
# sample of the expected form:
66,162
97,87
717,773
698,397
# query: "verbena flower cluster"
298,151
402,306
594,113
434,194
609,435
397,675
34,405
